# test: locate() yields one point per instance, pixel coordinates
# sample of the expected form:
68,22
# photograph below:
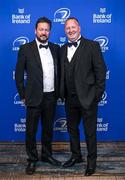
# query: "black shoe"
89,171
31,167
72,161
51,160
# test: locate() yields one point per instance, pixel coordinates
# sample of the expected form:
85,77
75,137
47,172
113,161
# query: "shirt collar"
75,40
38,43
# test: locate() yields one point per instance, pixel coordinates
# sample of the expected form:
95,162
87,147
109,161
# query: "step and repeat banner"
102,21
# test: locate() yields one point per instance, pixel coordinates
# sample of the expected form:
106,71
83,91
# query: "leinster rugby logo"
17,100
103,41
103,100
61,15
60,125
18,42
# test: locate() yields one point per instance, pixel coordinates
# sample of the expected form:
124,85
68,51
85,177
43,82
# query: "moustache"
43,36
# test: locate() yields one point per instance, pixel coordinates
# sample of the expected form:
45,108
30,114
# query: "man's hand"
23,101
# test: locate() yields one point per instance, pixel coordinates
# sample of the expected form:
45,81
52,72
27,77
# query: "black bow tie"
43,46
72,44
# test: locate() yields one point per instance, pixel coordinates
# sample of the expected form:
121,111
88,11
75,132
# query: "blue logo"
61,15
103,100
18,42
17,100
60,125
103,41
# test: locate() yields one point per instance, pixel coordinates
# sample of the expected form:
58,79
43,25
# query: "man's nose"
70,30
43,32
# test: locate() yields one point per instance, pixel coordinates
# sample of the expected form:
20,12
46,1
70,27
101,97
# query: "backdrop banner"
102,21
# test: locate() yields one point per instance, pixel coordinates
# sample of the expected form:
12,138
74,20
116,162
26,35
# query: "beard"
43,39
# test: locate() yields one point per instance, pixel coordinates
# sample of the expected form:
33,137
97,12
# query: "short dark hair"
42,20
70,18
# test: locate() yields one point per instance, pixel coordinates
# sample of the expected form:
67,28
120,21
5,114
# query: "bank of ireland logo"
21,17
61,15
103,41
19,41
102,10
60,125
21,11
63,39
20,126
103,100
60,102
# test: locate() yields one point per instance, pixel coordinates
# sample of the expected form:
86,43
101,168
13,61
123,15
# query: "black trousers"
45,111
75,112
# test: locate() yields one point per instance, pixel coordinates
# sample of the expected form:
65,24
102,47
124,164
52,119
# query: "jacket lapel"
35,51
80,49
54,55
64,53
52,52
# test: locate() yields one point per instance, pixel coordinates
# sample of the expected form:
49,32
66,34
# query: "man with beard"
40,60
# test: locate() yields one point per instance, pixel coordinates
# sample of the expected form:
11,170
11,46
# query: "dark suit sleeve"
19,73
99,70
58,71
62,89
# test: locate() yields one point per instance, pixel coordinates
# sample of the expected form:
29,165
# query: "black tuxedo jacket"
29,60
89,72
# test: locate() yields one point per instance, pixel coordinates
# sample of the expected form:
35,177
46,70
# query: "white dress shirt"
71,50
47,66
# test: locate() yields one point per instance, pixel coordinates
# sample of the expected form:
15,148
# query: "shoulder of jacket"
54,45
63,46
26,44
91,41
